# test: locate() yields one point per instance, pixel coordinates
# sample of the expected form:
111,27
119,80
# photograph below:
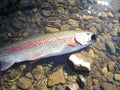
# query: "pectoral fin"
72,44
5,64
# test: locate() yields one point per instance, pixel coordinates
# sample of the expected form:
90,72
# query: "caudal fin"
5,64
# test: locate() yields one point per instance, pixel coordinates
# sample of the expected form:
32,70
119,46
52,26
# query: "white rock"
80,62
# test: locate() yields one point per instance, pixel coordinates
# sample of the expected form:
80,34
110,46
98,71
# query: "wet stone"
14,74
56,77
29,75
73,22
46,13
72,86
117,77
51,29
25,34
110,14
81,80
110,47
65,27
108,86
109,76
111,65
104,70
95,81
80,61
24,83
87,17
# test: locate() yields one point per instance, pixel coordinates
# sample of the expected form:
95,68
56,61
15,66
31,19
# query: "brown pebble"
95,81
51,29
104,70
111,65
25,34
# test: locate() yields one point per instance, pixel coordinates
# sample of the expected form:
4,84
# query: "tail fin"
5,64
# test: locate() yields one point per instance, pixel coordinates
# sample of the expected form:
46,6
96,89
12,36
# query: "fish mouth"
93,37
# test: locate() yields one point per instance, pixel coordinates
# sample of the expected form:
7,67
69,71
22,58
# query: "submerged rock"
108,86
111,65
24,83
73,22
51,29
80,62
81,80
110,47
57,77
117,77
72,86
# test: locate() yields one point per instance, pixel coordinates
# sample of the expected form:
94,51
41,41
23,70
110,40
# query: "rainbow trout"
46,45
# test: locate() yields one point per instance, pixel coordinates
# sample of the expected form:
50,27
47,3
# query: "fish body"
42,46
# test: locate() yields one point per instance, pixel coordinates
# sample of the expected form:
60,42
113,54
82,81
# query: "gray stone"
72,2
110,47
108,86
109,76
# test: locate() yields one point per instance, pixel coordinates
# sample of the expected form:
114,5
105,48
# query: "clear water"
29,18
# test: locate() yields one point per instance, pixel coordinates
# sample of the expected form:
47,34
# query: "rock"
72,86
95,81
110,47
93,29
108,86
61,10
14,74
24,83
46,13
109,14
64,27
103,15
91,53
45,5
104,70
73,22
81,80
23,67
25,34
29,75
51,29
87,17
111,65
81,61
58,87
117,77
72,2
109,76
57,77
40,69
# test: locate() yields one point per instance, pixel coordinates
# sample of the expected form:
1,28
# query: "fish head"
85,38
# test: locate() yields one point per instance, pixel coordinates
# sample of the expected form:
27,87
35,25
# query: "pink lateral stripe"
32,44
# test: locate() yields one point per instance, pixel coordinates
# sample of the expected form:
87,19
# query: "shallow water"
28,18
